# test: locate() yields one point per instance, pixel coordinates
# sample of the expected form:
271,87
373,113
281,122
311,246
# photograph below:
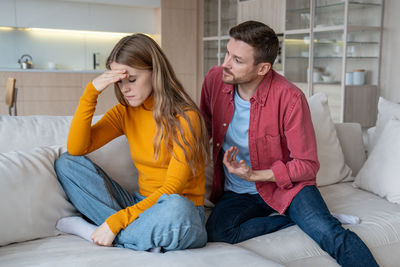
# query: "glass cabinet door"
210,13
365,13
228,15
297,57
297,14
210,55
219,17
363,42
328,57
362,58
329,13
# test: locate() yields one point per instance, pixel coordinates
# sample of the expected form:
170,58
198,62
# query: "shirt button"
217,144
224,124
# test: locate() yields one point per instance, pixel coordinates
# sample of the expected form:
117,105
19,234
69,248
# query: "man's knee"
219,231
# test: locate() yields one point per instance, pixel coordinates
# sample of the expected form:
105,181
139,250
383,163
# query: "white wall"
390,70
73,51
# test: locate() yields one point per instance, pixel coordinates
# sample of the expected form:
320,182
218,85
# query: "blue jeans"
238,217
173,223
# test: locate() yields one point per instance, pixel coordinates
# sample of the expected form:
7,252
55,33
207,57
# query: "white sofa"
32,201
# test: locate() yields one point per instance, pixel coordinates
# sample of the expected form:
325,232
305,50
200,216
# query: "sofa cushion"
380,173
68,250
32,198
379,228
330,155
22,133
386,110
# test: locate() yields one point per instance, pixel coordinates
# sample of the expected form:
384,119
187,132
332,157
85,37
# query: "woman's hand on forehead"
109,77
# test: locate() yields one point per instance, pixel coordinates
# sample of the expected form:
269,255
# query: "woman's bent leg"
88,188
173,223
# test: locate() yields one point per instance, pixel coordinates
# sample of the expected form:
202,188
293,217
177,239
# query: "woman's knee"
66,165
178,209
65,161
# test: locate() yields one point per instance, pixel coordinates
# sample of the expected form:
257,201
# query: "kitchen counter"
51,92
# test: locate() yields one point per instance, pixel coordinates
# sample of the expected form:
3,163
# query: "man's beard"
230,81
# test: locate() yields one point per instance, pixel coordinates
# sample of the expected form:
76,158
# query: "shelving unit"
323,40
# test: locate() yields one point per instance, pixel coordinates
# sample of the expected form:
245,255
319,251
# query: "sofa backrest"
23,133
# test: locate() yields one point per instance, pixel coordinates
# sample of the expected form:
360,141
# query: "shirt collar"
262,90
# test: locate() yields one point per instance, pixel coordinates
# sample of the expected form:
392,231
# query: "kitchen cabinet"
334,46
52,93
7,13
77,16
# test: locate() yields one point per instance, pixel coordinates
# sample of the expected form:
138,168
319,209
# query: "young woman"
169,147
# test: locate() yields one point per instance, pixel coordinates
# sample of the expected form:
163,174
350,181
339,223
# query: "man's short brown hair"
261,37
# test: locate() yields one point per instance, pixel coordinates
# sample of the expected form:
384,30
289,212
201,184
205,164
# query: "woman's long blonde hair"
170,98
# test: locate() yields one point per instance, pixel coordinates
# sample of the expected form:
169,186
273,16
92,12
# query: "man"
264,151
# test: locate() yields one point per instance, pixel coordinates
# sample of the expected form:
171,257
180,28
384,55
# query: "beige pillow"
330,155
386,110
22,133
32,199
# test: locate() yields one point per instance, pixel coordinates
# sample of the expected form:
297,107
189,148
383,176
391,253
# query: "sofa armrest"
351,139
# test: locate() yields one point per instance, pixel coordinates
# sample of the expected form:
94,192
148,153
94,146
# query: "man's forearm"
262,176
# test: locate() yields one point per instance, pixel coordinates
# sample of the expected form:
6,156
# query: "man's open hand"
242,170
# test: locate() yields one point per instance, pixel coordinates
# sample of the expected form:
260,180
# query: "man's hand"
242,170
103,236
109,77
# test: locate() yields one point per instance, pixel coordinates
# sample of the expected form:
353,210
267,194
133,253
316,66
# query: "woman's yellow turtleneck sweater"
164,175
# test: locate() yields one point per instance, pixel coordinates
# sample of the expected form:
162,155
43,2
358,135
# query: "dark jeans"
238,217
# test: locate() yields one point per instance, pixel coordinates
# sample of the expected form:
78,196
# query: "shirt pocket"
270,150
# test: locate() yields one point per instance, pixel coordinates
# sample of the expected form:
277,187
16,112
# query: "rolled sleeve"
281,174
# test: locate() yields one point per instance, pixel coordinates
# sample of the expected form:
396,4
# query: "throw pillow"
22,133
32,199
386,110
330,155
380,173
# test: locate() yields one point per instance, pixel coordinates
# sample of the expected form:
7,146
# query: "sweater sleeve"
84,137
177,176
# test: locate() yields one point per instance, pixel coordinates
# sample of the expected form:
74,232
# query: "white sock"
155,250
347,219
76,226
